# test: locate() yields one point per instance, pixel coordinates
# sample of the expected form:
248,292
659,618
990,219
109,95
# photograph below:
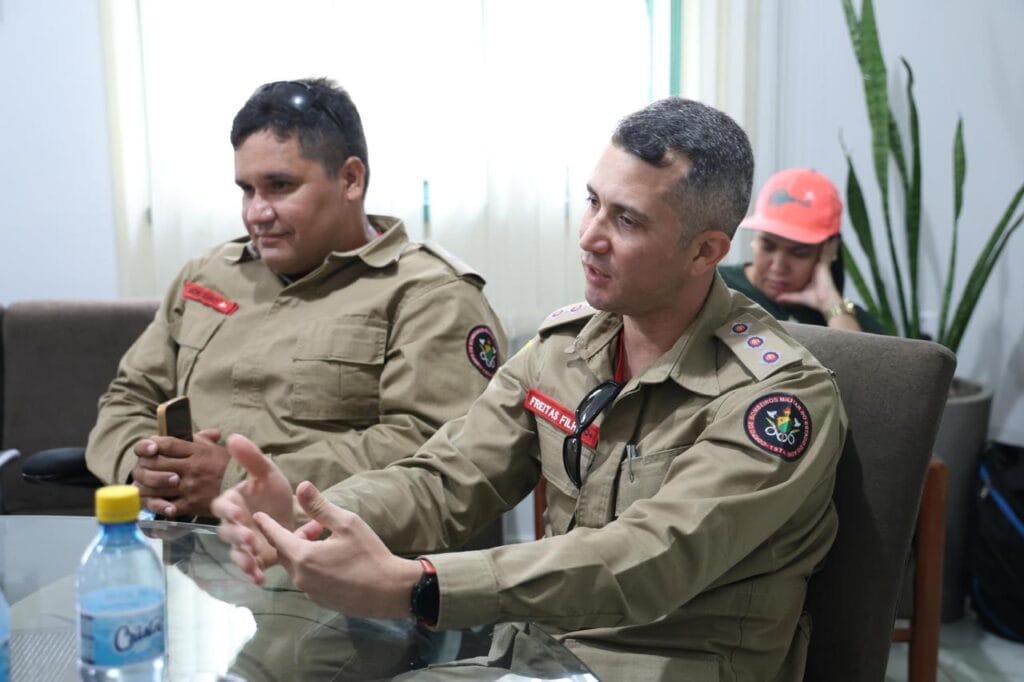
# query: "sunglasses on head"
301,97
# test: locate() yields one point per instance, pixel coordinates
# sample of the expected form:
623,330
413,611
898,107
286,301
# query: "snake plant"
887,146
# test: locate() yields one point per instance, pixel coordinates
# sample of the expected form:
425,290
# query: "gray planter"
961,438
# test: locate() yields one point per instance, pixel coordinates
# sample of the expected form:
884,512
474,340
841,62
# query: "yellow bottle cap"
117,503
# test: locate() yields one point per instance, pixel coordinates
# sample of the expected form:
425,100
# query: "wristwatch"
425,600
845,306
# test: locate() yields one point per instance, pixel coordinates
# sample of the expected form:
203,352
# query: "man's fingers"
212,435
245,561
249,456
280,538
159,505
145,448
154,482
311,530
318,507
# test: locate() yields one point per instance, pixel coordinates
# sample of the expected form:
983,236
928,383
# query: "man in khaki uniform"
328,336
689,447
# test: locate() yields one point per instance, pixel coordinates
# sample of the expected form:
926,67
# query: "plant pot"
961,438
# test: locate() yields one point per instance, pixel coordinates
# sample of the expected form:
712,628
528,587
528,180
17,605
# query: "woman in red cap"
795,273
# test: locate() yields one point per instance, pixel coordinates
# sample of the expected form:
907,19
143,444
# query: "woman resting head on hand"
796,272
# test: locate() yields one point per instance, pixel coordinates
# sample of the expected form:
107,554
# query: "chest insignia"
482,349
779,424
559,416
209,298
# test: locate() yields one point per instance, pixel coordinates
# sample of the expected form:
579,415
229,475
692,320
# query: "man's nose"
593,234
258,210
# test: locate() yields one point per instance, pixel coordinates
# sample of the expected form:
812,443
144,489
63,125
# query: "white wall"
57,238
56,217
966,60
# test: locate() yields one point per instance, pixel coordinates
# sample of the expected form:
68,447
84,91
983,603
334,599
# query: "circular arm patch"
482,349
779,424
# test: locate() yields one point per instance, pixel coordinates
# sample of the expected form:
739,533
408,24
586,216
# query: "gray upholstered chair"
58,358
894,391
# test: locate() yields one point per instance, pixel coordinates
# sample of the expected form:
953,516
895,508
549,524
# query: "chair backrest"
894,390
58,358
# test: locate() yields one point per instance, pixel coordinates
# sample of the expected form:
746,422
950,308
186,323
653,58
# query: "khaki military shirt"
689,560
346,369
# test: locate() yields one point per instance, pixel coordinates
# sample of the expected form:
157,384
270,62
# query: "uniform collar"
382,251
692,361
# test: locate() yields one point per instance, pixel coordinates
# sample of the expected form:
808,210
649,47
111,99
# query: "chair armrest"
63,466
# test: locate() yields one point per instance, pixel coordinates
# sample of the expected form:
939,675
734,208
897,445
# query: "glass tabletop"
222,627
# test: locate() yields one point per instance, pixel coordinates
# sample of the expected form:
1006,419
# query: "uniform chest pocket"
336,370
641,477
195,331
561,492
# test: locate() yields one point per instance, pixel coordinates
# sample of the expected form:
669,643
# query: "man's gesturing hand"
352,571
264,490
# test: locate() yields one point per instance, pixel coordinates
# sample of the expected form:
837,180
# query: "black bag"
997,543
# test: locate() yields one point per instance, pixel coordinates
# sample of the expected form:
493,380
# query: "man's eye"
591,202
627,221
280,185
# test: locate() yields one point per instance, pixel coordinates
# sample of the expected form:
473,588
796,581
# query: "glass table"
222,627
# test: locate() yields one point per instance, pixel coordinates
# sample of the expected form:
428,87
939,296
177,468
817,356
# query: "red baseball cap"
798,204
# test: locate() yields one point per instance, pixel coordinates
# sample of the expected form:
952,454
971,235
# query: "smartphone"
174,418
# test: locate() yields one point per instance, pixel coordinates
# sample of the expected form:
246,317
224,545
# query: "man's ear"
707,249
353,172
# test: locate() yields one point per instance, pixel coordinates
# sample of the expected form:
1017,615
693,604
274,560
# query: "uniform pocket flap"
359,341
197,326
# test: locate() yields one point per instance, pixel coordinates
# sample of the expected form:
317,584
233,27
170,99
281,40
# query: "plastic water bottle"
5,638
121,596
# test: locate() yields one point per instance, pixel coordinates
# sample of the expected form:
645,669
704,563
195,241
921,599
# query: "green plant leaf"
862,230
850,265
876,96
981,271
959,175
912,206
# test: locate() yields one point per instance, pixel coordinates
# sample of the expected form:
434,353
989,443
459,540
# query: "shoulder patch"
566,314
461,268
779,424
482,349
757,346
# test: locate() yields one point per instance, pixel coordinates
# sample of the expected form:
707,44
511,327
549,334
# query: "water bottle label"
122,625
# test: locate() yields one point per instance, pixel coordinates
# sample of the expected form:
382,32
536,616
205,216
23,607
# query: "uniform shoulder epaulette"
461,268
565,315
757,346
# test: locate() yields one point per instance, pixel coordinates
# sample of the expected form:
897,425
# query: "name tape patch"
559,416
209,298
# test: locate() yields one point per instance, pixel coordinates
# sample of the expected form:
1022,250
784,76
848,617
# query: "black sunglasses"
593,404
301,97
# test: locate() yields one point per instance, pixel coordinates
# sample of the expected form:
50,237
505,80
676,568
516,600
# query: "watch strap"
425,600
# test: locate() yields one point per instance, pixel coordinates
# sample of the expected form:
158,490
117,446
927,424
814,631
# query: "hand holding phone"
174,418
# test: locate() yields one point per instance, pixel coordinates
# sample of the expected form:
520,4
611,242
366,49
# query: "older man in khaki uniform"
689,445
328,336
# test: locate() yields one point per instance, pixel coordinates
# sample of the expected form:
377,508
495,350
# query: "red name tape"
199,293
559,416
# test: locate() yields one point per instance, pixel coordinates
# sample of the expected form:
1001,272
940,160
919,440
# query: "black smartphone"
174,418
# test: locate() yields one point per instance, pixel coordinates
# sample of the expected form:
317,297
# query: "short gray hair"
715,193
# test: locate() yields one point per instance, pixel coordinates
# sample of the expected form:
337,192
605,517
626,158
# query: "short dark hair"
715,193
317,110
